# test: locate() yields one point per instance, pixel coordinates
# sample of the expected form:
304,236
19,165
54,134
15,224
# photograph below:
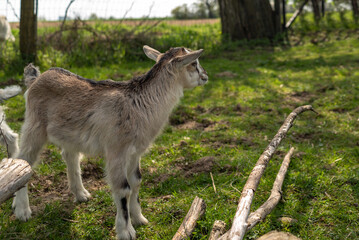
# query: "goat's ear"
151,53
188,58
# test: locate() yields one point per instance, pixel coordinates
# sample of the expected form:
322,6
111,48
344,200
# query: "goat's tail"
9,92
31,72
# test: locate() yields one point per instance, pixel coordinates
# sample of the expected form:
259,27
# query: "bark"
217,230
239,226
28,30
277,23
247,19
14,174
316,10
197,209
355,9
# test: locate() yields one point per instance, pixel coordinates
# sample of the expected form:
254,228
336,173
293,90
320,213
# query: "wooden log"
275,235
239,226
197,209
14,174
218,229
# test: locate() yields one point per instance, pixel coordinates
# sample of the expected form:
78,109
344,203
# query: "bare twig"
189,223
127,11
67,9
276,194
13,9
240,225
214,186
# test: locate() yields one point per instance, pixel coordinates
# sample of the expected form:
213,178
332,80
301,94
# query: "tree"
248,19
181,12
316,10
199,9
355,9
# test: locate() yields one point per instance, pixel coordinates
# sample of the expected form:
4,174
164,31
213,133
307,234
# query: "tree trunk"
355,9
14,174
247,19
28,30
209,8
277,15
316,10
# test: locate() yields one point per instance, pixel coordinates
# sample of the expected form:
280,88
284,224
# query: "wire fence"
54,10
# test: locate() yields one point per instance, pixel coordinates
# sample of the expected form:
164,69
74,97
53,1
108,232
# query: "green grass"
236,115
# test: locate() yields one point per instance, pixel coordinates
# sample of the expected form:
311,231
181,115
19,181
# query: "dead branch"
218,229
197,209
240,224
296,14
14,174
65,17
276,194
127,11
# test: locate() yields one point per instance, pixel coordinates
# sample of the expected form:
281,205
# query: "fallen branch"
276,194
239,226
189,223
296,14
14,174
218,229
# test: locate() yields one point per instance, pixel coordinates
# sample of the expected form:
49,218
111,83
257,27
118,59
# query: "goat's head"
182,61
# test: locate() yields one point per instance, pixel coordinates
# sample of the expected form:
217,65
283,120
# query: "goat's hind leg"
121,191
134,177
72,160
32,140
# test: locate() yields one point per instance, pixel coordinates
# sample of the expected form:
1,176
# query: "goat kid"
8,137
118,120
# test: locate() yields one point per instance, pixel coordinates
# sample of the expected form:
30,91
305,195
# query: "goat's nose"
204,77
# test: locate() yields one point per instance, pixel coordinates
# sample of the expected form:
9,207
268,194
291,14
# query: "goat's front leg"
72,160
121,191
134,177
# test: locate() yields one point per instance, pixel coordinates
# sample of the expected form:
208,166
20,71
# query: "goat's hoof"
22,214
83,196
138,221
127,234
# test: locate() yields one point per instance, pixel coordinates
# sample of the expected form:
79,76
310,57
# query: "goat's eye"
194,64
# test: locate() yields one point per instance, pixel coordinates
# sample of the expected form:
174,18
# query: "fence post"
28,30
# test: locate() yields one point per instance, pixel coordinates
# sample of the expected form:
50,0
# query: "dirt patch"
187,169
233,142
203,165
226,74
202,124
92,170
181,115
164,198
9,82
300,97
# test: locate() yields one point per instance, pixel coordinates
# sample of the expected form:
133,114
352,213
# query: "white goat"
5,30
116,119
8,137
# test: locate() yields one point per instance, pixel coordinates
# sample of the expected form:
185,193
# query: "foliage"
201,9
220,128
